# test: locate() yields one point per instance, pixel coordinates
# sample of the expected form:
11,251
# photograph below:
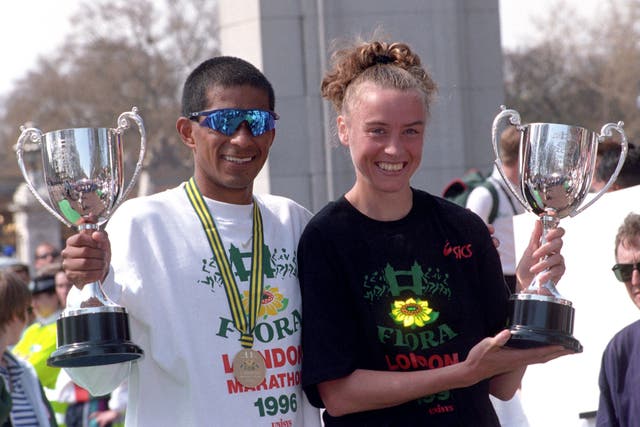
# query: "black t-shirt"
416,293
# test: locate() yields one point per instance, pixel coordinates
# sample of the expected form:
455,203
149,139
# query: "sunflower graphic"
271,304
413,313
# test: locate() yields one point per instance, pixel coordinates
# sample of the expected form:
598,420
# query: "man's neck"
234,196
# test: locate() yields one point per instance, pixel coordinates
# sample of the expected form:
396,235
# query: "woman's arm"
365,390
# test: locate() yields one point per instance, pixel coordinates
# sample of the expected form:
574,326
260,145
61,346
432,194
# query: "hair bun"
383,59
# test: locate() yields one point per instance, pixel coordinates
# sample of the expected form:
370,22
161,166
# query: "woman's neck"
381,206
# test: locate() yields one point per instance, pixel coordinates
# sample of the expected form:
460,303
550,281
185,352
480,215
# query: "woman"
404,300
22,400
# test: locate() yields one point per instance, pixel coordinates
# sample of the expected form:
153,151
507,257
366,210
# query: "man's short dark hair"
224,71
609,154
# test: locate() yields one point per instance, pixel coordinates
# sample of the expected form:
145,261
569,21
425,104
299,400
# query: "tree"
119,54
584,73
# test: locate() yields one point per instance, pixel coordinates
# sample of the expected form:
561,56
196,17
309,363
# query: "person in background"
22,399
40,338
63,285
22,271
480,201
207,270
607,161
85,410
45,253
404,299
620,369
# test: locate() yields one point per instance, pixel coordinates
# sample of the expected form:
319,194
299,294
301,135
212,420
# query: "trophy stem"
549,221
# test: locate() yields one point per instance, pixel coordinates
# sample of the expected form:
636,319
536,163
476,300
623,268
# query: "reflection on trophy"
83,173
556,167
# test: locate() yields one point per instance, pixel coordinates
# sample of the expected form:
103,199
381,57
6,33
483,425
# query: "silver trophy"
84,176
556,167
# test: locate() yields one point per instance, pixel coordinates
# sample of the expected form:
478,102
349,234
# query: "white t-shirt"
164,273
481,202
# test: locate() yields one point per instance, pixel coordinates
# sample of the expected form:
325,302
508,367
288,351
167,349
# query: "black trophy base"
540,321
94,338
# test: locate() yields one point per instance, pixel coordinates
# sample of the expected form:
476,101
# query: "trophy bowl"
84,177
556,166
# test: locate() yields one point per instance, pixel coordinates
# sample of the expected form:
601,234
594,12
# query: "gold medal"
249,368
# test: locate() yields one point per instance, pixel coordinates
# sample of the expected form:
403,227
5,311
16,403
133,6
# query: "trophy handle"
604,132
514,119
123,124
35,135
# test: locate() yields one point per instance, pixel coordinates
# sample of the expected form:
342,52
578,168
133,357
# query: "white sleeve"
480,202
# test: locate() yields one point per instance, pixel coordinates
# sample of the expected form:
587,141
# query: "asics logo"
459,251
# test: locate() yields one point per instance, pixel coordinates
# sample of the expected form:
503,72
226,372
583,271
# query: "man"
620,370
205,303
607,161
46,253
481,202
63,286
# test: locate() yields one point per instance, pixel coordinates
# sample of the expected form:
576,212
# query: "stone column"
458,40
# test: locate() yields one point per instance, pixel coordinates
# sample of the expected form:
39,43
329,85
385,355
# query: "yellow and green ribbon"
245,324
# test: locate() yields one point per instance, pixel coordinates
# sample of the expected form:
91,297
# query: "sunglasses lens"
260,122
623,272
228,120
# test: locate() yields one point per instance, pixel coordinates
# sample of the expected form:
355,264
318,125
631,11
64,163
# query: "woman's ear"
184,127
343,131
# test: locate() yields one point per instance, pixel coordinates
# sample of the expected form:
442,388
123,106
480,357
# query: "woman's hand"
541,258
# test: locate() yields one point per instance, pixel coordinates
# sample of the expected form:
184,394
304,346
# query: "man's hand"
86,257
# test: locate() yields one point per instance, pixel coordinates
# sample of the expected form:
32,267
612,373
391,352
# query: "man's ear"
184,127
343,131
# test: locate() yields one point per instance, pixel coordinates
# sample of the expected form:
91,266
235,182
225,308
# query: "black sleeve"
329,326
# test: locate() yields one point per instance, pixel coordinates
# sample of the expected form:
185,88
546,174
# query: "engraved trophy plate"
84,178
556,167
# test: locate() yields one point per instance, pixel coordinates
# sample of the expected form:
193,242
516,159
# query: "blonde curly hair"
389,65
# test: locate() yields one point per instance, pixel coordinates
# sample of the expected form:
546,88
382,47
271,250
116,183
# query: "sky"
30,28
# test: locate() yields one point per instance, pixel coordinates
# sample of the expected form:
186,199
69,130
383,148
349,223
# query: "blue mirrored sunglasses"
228,120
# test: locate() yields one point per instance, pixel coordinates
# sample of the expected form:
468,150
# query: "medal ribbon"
231,287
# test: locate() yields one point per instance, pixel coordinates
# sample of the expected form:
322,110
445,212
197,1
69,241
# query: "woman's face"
384,130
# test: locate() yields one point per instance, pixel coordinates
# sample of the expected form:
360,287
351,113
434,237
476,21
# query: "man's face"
226,166
63,286
45,254
629,253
